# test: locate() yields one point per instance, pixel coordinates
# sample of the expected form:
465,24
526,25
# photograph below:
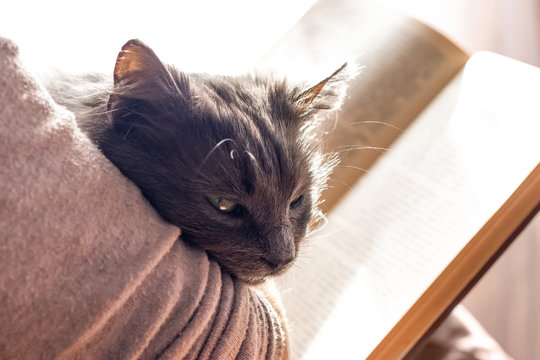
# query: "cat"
236,162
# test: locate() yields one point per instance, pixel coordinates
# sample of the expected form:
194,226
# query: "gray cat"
235,162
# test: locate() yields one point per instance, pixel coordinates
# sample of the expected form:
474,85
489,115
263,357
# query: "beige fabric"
459,337
87,267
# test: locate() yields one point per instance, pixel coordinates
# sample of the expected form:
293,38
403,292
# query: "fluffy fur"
252,140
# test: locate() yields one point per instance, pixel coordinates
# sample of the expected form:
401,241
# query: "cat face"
233,161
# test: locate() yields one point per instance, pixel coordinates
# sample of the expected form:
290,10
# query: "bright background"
208,35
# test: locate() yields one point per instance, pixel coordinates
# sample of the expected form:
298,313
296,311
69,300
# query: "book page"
417,208
404,64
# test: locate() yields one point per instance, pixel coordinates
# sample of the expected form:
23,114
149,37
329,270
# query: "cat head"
235,162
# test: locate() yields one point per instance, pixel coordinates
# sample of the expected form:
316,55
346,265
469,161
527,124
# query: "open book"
439,172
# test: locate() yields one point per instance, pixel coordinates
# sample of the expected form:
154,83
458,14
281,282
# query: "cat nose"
276,261
278,247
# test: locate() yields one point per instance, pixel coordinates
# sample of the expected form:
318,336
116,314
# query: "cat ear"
144,88
327,94
139,74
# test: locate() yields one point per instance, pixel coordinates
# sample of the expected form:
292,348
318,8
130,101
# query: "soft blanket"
88,269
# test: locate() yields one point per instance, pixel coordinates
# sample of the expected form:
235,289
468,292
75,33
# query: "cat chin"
246,268
253,279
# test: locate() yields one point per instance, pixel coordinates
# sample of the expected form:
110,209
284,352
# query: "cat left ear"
328,93
143,86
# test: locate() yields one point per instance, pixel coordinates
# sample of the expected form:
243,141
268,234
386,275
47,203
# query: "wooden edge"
476,278
463,272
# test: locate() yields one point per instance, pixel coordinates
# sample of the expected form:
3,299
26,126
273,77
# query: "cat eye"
296,202
223,205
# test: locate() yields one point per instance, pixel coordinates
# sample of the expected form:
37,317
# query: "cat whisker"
375,122
252,157
129,130
111,111
335,121
353,148
88,96
340,182
214,149
353,167
320,216
322,236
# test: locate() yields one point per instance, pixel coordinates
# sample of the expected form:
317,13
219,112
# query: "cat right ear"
327,94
